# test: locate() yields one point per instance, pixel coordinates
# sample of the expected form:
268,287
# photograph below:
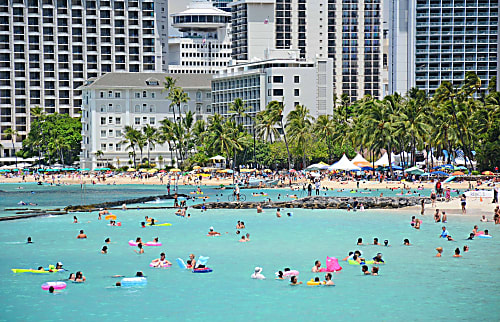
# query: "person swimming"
294,281
316,267
160,262
364,270
378,259
457,252
104,250
141,250
360,241
211,232
82,235
406,242
29,241
328,280
375,242
375,271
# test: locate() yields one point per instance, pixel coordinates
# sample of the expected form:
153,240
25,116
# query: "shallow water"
413,285
50,197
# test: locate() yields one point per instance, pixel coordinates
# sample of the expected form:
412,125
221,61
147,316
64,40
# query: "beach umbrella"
447,166
143,170
86,169
268,170
131,170
196,167
488,173
396,167
163,171
460,168
247,170
153,170
457,173
175,170
414,170
439,173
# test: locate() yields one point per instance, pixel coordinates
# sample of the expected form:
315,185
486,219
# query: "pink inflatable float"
332,265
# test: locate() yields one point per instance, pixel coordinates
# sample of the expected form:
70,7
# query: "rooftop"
148,80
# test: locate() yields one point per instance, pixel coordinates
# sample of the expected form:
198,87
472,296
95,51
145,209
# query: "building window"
103,121
153,95
110,145
118,147
296,92
103,146
103,108
118,133
110,94
296,79
103,133
296,103
110,108
137,121
144,94
152,120
110,120
118,120
137,95
278,79
118,94
137,109
102,94
110,133
277,92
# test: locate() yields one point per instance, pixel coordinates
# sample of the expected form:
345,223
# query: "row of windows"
203,63
280,79
198,54
280,91
222,46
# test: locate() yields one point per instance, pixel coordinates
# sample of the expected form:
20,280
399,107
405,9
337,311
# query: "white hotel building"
48,48
115,100
291,81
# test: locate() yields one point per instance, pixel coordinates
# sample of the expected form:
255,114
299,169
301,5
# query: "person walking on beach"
317,186
495,194
463,202
309,189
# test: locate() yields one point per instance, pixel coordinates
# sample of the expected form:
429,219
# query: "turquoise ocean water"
413,285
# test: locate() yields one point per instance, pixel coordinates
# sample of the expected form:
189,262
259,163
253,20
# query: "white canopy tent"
384,160
317,166
218,158
360,161
344,164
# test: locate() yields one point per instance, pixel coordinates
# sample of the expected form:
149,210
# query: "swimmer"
280,276
348,256
81,235
466,249
257,274
52,290
439,251
139,274
378,259
406,242
449,238
29,241
457,252
211,232
259,209
104,250
278,214
59,265
192,261
75,220
360,241
374,271
386,243
328,280
444,218
316,267
238,225
417,223
483,219
72,277
294,281
107,240
471,236
364,270
79,278
242,240
444,233
242,225
162,261
143,224
486,232
248,237
375,242
141,250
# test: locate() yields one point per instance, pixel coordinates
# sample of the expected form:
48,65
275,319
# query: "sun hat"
258,270
60,263
212,228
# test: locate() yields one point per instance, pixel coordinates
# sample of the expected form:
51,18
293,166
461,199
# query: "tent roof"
384,160
218,157
344,164
360,161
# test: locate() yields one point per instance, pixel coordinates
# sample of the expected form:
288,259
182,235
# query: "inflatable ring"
202,270
484,236
312,282
353,262
134,281
55,285
110,217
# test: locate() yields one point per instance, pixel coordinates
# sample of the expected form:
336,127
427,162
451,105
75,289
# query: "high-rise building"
435,41
348,31
203,44
48,48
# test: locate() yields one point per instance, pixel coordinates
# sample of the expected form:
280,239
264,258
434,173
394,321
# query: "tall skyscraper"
348,31
48,48
443,40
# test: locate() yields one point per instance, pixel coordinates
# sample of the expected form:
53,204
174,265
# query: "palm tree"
131,137
275,111
299,127
37,113
12,134
222,135
99,154
265,127
178,96
324,129
151,136
238,110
